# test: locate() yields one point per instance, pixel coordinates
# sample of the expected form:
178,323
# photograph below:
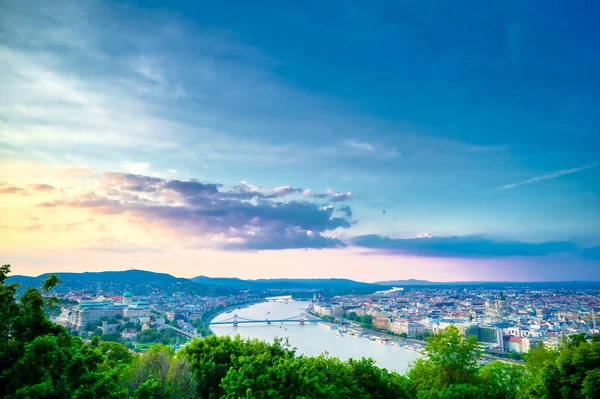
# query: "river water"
311,339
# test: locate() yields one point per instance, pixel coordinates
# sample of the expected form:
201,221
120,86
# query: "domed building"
127,298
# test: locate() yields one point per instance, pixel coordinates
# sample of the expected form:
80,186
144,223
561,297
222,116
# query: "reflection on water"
311,339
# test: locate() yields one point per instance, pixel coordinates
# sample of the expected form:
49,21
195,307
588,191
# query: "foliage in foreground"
39,359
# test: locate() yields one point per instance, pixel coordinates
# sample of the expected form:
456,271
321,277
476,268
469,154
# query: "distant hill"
147,277
492,284
285,283
137,276
411,281
233,282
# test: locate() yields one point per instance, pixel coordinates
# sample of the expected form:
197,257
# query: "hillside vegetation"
39,359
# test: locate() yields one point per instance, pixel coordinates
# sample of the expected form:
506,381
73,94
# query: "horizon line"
379,282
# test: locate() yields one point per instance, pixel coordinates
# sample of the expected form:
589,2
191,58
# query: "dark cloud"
131,182
240,218
191,188
288,240
346,209
592,253
466,246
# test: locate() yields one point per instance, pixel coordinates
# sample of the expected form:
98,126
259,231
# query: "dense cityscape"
506,322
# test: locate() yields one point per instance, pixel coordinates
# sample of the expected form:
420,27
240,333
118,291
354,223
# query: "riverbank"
312,339
212,314
421,343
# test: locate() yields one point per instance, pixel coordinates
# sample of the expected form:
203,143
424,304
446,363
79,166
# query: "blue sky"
476,124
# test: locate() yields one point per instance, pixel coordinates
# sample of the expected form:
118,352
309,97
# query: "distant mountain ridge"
140,276
285,283
410,281
148,277
491,284
144,276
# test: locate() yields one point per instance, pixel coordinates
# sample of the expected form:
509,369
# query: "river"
311,339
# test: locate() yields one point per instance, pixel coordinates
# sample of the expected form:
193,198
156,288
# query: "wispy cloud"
552,175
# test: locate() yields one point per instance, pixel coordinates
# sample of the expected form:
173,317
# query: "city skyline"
384,143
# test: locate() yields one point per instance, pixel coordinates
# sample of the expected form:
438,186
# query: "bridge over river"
301,319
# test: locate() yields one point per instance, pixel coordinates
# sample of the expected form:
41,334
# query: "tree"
351,316
149,389
172,377
451,359
112,337
146,336
591,384
212,357
290,376
502,380
571,372
366,320
537,357
39,359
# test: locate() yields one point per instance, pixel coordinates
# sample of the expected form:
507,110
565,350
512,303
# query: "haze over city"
264,140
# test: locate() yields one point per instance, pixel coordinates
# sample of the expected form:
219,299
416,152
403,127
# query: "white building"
410,328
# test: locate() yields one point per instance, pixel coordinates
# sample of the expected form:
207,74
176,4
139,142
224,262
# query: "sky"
363,140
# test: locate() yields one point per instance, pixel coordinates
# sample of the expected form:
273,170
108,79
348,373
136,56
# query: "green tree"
212,357
572,372
149,389
288,376
172,377
366,320
39,359
351,316
112,337
500,380
451,359
591,384
146,336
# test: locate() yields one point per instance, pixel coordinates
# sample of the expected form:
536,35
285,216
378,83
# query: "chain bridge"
301,319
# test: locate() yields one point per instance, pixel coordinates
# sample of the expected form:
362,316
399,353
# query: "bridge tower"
302,318
235,320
